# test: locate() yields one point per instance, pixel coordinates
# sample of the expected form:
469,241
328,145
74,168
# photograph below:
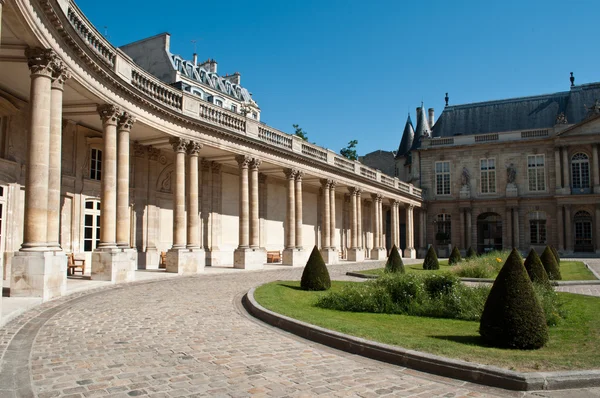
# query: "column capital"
179,144
243,161
60,75
290,174
409,206
194,148
41,61
216,167
377,197
355,191
153,153
126,121
109,114
255,163
299,175
205,164
139,150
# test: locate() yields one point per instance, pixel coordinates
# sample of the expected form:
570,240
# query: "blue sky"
353,69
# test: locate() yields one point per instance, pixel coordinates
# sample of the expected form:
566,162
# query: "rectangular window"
442,178
96,164
218,102
488,175
536,172
537,230
233,108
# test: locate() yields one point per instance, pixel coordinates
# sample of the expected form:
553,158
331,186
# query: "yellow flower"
498,259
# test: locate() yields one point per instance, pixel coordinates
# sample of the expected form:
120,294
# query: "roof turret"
407,138
422,129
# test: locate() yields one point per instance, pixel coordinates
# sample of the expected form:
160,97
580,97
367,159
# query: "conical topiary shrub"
535,268
512,316
556,254
394,262
550,264
431,260
315,275
454,257
471,253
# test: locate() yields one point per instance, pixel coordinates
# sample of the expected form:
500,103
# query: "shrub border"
454,368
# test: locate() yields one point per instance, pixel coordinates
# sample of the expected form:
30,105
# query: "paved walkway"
190,337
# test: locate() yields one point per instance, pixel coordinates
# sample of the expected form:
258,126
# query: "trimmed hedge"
431,260
454,257
550,264
315,275
555,254
471,253
394,262
535,268
513,316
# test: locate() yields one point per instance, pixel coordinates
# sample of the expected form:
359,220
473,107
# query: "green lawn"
570,270
574,344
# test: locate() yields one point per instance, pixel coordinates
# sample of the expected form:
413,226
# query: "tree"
431,260
471,253
315,275
550,264
512,315
555,254
394,262
299,132
454,256
535,268
350,151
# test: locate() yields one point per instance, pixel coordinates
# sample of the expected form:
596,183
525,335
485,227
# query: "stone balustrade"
492,137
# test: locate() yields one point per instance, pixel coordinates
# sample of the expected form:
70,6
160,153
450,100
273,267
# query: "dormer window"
218,102
254,115
233,108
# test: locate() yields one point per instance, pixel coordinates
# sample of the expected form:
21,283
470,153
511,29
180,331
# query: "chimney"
431,117
209,65
235,78
195,59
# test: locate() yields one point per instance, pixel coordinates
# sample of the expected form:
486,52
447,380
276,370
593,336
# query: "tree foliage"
431,259
535,268
394,262
550,264
299,132
471,253
315,275
350,151
454,256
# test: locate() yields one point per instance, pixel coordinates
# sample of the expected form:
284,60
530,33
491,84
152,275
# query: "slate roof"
523,113
407,138
422,129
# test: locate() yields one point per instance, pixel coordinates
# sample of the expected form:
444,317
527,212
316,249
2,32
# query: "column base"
356,254
114,265
410,252
330,255
150,259
249,258
185,261
378,254
39,274
294,257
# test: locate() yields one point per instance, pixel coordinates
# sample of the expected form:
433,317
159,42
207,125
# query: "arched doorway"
583,232
489,232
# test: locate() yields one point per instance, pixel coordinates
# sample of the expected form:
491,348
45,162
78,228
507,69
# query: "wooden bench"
163,260
273,256
74,265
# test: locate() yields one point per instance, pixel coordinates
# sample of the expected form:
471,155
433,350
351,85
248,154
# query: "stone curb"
453,368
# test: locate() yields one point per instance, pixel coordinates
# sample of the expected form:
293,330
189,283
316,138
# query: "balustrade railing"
272,137
220,116
486,137
366,172
442,141
91,37
157,90
343,163
314,152
387,180
534,133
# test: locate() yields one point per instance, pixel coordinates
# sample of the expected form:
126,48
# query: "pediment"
590,126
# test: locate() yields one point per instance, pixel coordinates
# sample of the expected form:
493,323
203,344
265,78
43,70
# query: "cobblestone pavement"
188,337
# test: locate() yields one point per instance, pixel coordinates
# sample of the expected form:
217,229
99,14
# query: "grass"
570,270
574,343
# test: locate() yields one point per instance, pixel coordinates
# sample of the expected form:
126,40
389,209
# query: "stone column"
328,252
60,75
151,255
108,232
355,252
290,225
560,228
254,205
469,229
359,220
568,230
123,214
244,225
557,169
595,171
423,244
193,220
263,191
180,146
380,220
410,245
463,229
375,221
566,167
299,221
1,4
515,228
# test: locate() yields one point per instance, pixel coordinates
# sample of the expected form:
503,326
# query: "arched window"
537,228
91,225
443,231
580,171
583,232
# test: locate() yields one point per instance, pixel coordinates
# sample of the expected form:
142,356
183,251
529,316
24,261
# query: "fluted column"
60,75
375,220
380,221
123,214
244,225
290,227
193,220
565,169
108,230
254,204
560,227
410,232
395,226
180,146
596,170
299,221
332,215
557,169
353,221
359,228
41,64
325,222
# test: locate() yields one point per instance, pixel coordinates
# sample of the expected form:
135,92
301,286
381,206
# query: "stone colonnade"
294,253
